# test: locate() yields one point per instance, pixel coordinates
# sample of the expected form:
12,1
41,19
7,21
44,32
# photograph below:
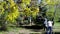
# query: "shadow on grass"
7,28
57,33
34,28
45,33
54,33
3,29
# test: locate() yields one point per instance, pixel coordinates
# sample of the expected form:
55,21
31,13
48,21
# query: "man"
49,29
45,23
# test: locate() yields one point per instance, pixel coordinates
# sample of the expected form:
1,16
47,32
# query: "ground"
20,30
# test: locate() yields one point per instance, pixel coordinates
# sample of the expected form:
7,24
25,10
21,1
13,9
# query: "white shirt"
45,22
50,23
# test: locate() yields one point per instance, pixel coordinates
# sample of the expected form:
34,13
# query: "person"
45,24
49,29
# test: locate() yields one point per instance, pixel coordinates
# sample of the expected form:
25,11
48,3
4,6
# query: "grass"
15,30
11,30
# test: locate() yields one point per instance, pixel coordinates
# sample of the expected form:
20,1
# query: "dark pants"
49,30
44,27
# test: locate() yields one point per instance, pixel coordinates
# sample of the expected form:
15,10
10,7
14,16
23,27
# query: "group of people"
48,25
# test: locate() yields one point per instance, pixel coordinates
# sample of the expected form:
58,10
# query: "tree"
9,12
51,5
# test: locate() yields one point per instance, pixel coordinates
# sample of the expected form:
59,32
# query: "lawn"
17,30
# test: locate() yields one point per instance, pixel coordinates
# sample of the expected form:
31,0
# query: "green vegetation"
14,13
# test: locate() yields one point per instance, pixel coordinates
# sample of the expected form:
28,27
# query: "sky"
39,1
